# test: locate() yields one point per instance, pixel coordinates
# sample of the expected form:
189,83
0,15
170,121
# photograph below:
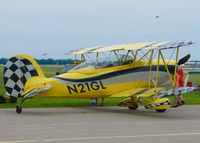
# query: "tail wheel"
160,110
18,109
133,107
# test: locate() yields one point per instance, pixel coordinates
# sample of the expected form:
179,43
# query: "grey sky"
58,26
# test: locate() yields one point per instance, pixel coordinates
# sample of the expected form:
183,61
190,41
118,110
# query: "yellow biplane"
135,70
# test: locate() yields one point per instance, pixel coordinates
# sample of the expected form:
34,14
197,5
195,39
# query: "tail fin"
17,71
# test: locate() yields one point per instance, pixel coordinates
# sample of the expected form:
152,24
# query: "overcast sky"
58,26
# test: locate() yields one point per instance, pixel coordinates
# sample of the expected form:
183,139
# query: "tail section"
17,71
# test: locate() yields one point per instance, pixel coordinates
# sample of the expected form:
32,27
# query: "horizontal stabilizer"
35,91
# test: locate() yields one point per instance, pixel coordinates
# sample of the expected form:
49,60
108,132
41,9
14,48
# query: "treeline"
46,61
3,60
54,61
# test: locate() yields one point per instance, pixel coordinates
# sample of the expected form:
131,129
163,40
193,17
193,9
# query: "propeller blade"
184,60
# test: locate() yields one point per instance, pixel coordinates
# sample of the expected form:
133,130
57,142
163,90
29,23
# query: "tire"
134,107
18,109
160,110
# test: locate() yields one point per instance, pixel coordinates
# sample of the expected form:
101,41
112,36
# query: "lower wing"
141,92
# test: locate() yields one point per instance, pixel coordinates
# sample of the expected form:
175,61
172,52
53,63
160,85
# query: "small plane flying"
134,70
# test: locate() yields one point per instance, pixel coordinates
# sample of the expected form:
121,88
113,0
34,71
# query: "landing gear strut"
18,109
133,107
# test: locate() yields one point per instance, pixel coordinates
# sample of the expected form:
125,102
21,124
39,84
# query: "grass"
49,71
195,78
192,98
61,102
2,89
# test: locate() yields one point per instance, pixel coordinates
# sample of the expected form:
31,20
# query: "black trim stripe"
119,73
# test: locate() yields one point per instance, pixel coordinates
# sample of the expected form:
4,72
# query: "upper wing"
135,46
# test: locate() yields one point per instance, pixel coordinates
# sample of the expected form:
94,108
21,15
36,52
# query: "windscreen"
108,61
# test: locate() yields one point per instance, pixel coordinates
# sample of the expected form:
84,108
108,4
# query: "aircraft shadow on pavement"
140,112
170,114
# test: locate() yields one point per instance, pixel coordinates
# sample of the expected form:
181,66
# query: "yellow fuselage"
93,82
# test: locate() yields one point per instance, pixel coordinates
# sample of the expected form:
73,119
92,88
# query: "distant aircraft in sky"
44,54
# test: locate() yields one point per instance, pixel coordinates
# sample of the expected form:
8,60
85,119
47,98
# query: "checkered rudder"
16,72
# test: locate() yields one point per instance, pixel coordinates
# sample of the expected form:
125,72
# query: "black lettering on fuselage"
82,87
94,85
70,89
102,86
86,87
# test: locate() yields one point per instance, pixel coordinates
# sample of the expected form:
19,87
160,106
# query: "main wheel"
18,109
161,110
134,107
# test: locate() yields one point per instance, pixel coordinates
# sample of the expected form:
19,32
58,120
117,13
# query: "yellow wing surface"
141,92
135,46
143,97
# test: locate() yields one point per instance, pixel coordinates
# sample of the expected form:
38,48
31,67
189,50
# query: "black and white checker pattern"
158,104
16,72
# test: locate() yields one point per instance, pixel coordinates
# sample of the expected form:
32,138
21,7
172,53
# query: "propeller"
184,60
